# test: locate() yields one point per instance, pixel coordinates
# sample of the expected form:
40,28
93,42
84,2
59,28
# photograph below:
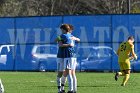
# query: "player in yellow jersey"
125,54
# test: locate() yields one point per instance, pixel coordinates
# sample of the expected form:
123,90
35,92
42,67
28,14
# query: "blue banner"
7,31
35,30
91,28
27,43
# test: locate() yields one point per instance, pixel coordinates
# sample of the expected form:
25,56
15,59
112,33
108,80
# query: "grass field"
44,82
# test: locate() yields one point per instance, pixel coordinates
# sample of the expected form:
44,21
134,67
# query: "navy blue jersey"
68,51
60,53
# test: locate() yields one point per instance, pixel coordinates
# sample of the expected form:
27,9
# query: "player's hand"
72,45
60,43
136,57
131,58
73,38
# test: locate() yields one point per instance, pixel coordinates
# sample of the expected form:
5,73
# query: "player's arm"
75,38
58,39
133,53
65,45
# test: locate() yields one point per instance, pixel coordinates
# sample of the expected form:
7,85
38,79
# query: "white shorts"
60,64
70,63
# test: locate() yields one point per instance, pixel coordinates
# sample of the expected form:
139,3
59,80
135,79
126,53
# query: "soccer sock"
70,82
1,87
126,77
74,83
121,73
63,81
59,83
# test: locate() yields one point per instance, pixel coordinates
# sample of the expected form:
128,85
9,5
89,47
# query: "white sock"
70,82
63,81
74,83
59,83
1,87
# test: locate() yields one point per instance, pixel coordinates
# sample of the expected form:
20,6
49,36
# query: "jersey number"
123,47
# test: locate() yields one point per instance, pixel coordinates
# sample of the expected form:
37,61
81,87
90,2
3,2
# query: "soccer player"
69,53
124,57
60,63
72,40
60,58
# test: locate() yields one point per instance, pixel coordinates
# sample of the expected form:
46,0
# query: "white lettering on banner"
22,35
83,37
37,35
11,35
116,34
103,31
47,34
83,34
115,46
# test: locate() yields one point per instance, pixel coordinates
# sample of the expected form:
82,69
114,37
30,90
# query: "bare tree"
66,7
135,6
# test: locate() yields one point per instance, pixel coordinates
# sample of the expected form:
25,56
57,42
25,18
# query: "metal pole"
129,6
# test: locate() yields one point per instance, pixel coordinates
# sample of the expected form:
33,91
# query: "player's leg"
126,77
60,73
74,81
63,81
67,65
1,87
74,63
121,73
127,73
70,81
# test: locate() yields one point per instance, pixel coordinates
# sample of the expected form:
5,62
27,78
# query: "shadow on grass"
93,86
77,86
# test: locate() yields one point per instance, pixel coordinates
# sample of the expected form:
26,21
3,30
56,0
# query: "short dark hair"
130,38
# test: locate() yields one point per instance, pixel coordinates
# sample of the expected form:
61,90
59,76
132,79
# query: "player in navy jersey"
69,57
60,61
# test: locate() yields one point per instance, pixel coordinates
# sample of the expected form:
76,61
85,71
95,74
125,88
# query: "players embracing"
66,42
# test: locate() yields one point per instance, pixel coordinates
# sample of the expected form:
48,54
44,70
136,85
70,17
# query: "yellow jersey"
124,51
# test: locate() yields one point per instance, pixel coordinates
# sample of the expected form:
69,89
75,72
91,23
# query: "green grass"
44,82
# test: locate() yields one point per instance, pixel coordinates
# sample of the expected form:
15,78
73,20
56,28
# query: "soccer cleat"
70,92
116,76
123,85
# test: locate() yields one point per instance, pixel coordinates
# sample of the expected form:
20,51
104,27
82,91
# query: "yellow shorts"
125,65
